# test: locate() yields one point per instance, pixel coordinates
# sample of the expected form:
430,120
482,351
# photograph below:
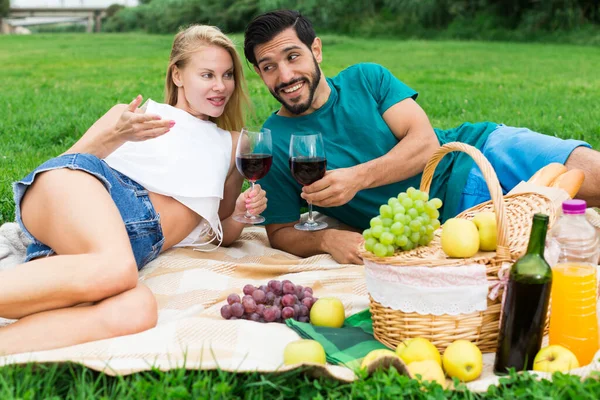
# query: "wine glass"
253,158
308,164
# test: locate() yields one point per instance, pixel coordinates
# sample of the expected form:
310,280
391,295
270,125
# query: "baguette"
546,175
570,181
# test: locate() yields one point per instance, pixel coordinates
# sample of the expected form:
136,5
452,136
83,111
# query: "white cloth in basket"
428,290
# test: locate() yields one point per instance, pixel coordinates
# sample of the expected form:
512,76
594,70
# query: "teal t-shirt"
355,132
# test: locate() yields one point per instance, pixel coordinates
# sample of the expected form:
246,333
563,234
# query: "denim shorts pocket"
146,240
156,248
129,183
138,229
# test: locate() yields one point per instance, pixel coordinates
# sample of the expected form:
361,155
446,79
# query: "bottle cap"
574,206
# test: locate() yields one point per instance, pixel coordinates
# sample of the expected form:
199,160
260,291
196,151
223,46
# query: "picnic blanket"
13,245
190,288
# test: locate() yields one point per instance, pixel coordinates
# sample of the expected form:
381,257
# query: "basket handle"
502,250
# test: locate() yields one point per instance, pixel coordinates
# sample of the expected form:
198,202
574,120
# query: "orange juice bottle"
573,315
573,321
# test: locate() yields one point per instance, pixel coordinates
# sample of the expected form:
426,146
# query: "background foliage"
491,19
4,6
55,86
59,84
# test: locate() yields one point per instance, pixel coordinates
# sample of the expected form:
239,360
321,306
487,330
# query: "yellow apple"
460,238
463,360
418,349
488,231
329,312
304,351
376,354
429,370
555,358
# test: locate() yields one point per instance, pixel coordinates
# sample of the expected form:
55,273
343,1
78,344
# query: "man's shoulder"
364,69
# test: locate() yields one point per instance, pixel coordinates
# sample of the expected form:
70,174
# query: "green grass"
55,86
70,381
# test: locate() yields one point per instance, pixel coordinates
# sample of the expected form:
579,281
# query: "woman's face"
205,83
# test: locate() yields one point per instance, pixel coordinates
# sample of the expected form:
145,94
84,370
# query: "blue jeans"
139,217
515,154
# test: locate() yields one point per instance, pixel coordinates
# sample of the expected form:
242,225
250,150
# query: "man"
377,140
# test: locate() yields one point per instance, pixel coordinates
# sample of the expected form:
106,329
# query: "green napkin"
347,345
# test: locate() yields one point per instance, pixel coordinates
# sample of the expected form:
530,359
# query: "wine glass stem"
248,215
310,220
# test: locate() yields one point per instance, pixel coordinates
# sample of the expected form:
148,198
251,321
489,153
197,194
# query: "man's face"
290,70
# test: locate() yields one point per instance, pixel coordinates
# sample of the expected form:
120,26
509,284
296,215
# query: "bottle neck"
537,239
574,216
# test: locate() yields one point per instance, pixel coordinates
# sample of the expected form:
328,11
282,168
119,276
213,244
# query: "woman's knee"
131,312
112,273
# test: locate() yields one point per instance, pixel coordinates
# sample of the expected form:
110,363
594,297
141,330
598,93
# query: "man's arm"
417,143
343,244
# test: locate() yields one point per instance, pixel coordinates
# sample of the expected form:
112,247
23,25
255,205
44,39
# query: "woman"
125,192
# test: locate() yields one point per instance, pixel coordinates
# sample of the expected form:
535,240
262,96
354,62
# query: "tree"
4,8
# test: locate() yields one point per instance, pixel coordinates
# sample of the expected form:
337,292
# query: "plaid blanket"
191,287
347,346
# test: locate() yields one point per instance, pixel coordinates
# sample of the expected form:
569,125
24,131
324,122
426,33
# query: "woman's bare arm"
122,123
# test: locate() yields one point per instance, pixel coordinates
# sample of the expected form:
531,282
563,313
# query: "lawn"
55,86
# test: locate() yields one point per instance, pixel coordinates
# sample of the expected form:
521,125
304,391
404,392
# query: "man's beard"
298,109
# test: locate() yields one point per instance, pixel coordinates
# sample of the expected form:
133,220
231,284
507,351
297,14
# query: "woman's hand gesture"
135,125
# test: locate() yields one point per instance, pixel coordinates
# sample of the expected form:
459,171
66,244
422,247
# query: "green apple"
329,312
488,231
304,351
418,349
460,238
555,358
463,360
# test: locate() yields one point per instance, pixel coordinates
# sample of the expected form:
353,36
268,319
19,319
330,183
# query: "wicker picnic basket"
514,215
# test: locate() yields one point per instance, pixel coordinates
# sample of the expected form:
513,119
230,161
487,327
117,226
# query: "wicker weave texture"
514,216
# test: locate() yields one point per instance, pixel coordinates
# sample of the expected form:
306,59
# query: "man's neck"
321,96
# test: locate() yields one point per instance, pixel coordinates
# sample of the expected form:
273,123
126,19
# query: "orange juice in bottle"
573,322
573,315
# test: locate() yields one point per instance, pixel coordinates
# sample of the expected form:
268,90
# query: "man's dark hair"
266,26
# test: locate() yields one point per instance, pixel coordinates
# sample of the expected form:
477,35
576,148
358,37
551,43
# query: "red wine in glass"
307,170
254,166
308,164
253,158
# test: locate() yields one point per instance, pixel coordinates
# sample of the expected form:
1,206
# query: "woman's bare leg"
73,213
126,313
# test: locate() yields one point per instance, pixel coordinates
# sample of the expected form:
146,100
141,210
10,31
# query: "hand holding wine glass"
308,164
253,158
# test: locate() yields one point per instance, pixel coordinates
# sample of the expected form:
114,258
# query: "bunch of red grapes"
273,302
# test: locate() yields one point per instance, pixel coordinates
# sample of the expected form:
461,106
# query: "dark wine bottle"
525,304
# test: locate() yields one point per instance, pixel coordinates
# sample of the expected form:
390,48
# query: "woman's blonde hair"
189,41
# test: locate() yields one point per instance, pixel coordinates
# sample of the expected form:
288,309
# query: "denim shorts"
515,154
141,220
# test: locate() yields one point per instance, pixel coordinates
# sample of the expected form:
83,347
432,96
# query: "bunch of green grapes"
405,222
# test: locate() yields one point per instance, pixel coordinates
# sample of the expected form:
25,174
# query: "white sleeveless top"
189,163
